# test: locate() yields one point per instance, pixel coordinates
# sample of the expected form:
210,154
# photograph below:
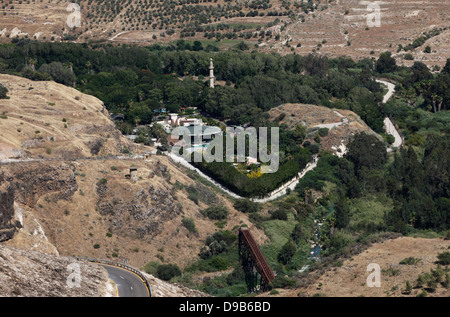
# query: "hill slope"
72,202
349,279
332,28
341,124
47,119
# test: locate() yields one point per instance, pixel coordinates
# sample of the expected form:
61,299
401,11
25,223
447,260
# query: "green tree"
216,212
3,92
246,206
342,212
287,252
197,46
366,150
385,63
168,271
60,73
299,133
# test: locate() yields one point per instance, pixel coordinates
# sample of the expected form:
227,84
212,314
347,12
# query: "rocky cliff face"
33,180
25,183
7,225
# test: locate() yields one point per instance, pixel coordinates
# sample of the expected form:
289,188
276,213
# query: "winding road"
128,283
388,125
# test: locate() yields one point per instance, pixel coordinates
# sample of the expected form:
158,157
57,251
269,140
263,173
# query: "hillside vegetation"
173,223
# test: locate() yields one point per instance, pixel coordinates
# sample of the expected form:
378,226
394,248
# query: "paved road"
388,125
128,283
280,191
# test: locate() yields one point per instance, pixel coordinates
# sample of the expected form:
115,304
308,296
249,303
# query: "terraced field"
332,28
343,29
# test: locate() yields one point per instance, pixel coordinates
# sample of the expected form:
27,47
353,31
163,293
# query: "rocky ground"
35,274
87,204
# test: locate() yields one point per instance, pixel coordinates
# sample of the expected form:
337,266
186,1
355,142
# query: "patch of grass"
279,233
367,213
410,261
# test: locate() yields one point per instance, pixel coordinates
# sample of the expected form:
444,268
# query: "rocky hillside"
35,274
400,260
59,195
7,224
342,29
90,208
341,124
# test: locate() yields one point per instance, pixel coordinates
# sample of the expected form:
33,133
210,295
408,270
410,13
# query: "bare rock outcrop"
141,214
33,180
35,274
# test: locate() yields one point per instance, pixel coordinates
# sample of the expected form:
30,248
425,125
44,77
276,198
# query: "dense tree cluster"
137,81
420,187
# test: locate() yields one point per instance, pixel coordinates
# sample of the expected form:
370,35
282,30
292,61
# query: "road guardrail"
121,265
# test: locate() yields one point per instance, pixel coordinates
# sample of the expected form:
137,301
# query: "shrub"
444,258
237,276
3,92
280,214
215,212
219,263
192,194
189,224
281,282
391,271
409,57
408,288
323,132
287,252
217,243
246,206
410,261
168,271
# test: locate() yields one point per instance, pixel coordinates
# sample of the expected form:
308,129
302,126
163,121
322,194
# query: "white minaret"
211,73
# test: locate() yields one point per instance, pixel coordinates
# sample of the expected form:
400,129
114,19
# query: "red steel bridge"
254,263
